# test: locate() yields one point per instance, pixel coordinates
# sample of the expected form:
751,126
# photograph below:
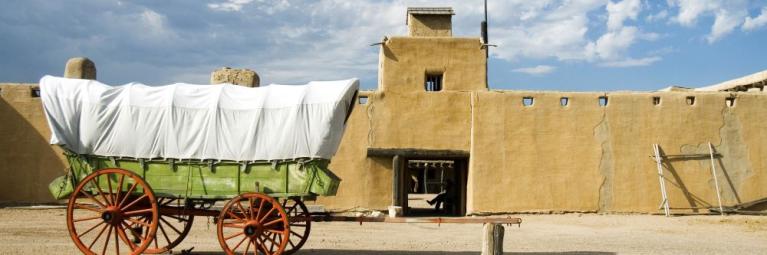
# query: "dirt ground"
43,231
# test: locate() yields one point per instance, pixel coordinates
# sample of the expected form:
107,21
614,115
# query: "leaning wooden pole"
658,160
716,180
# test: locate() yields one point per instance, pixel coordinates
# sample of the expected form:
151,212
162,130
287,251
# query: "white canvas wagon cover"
185,121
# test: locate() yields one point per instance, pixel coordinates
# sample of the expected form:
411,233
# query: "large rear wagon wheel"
102,209
253,223
300,223
172,228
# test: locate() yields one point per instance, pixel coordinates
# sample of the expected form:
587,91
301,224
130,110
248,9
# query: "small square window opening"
528,101
363,100
564,101
35,92
603,101
690,100
730,101
433,82
655,100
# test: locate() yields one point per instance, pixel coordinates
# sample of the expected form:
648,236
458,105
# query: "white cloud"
754,23
229,5
153,22
728,14
630,62
621,11
661,15
536,70
612,45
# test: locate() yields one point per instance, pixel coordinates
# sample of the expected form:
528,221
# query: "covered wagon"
145,160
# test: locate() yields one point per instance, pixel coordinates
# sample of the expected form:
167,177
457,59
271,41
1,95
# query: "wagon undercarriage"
114,211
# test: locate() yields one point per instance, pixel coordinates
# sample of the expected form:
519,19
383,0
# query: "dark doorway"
432,182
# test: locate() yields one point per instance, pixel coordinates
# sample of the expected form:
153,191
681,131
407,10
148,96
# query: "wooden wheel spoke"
235,235
127,194
290,209
90,229
242,211
297,234
275,231
278,220
230,213
263,247
171,226
138,222
119,188
134,202
165,234
86,219
247,246
87,207
260,209
82,191
250,207
239,243
138,212
232,225
261,220
111,192
271,239
117,243
106,241
98,236
125,238
177,218
101,192
133,231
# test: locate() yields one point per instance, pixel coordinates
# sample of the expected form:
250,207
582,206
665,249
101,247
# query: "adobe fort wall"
547,157
27,162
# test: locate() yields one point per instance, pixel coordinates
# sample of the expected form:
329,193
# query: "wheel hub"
112,216
253,229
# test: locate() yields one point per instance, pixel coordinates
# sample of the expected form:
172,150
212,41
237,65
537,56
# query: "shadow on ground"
364,252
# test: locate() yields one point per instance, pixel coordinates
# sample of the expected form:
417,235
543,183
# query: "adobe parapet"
80,68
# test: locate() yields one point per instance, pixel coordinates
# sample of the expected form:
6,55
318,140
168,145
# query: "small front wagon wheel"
104,206
253,223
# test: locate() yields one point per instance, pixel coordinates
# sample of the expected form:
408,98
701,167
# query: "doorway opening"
435,187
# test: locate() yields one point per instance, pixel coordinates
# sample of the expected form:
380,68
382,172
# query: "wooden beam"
396,163
411,152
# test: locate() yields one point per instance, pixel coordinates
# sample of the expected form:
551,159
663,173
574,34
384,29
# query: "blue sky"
587,45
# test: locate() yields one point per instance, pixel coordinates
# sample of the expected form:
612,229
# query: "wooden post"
396,176
492,239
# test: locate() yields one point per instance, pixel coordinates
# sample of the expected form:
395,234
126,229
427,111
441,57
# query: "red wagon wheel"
300,223
253,223
102,209
173,228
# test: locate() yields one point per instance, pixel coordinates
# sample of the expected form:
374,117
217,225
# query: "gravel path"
43,231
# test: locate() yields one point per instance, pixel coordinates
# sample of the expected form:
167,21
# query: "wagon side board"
206,180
